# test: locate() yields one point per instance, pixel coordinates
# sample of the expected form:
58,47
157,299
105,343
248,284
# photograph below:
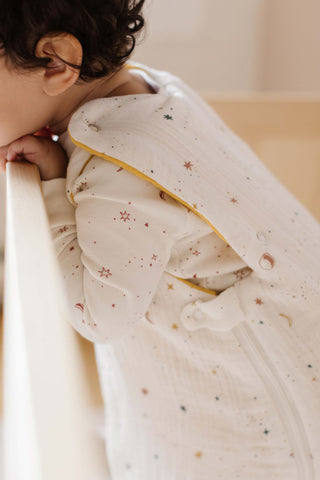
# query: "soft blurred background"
238,54
235,45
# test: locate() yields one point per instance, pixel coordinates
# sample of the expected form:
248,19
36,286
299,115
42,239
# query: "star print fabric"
117,242
175,406
195,385
94,247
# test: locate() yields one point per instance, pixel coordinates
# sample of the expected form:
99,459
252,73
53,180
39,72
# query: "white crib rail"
48,432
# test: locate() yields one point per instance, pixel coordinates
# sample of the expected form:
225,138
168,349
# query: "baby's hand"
44,152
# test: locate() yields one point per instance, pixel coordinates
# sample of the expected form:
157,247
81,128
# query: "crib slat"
48,431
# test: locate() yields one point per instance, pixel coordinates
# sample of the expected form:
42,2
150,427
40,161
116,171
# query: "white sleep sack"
196,275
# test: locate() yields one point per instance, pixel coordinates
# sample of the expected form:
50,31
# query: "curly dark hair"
106,29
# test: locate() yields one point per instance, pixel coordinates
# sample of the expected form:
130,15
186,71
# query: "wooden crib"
48,374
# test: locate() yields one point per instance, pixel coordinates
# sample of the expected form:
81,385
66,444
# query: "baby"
193,271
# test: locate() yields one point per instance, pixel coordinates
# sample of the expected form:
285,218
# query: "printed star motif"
195,206
144,391
266,431
234,200
154,257
64,229
82,186
240,274
198,454
167,117
188,165
174,326
258,301
71,248
105,272
125,216
170,286
196,253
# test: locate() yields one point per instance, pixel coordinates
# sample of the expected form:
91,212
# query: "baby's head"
57,54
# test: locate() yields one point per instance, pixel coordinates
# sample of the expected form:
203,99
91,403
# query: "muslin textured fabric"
205,334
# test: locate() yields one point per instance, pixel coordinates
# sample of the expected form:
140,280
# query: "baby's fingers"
26,147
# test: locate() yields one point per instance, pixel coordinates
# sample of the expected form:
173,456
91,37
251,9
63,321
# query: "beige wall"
223,45
292,45
215,45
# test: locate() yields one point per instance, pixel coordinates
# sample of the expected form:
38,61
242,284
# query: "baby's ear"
58,75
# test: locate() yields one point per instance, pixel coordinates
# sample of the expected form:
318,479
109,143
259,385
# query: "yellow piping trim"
141,175
84,166
145,177
212,292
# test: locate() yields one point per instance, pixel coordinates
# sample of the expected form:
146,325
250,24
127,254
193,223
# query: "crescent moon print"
148,317
267,261
288,318
80,306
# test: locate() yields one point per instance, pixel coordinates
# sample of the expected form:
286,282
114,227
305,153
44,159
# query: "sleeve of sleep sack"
112,234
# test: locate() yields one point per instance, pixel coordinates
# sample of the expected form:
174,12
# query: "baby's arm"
113,244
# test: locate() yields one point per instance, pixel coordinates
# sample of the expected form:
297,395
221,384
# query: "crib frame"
47,413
